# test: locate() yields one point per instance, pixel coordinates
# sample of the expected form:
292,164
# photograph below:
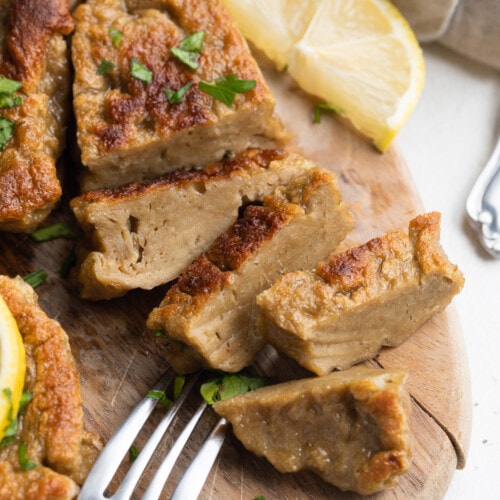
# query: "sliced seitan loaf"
51,426
350,427
127,128
145,235
33,118
360,300
209,314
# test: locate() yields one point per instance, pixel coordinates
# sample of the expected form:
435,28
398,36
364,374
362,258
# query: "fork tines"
190,485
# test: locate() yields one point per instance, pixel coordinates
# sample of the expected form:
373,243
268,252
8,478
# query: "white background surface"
446,142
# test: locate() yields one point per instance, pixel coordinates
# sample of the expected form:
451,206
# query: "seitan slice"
209,314
52,423
34,54
354,303
127,129
350,427
145,235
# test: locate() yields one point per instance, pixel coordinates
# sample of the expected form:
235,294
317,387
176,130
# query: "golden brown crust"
350,427
356,302
121,118
31,24
251,158
52,425
35,55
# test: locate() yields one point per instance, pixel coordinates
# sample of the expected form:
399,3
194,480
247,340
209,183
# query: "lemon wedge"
12,368
360,56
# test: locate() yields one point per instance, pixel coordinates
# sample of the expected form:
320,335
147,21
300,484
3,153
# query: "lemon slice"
360,56
12,368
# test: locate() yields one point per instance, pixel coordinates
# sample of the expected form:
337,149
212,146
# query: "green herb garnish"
228,386
323,107
178,95
6,131
161,396
105,67
225,88
24,462
133,452
58,230
7,89
25,399
189,48
160,333
116,37
139,71
11,430
36,278
179,381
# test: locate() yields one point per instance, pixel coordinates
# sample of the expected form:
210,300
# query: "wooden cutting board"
119,362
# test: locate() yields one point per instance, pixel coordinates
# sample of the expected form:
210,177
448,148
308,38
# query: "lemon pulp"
12,368
360,56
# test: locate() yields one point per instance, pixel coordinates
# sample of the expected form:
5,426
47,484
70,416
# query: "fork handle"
483,204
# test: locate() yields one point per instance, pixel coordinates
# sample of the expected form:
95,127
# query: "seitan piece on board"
355,302
350,427
52,423
144,235
209,315
34,54
127,129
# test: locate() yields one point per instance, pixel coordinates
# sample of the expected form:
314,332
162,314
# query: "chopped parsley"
189,49
11,430
36,278
133,452
228,386
139,71
58,230
179,381
224,89
175,97
7,89
24,462
160,333
6,131
116,37
105,67
161,396
323,107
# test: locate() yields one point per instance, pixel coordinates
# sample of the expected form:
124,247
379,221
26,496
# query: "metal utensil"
483,204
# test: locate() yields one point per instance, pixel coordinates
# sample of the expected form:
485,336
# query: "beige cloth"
471,27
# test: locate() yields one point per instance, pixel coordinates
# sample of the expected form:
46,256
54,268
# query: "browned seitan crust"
360,300
35,54
127,130
52,424
209,314
145,235
350,427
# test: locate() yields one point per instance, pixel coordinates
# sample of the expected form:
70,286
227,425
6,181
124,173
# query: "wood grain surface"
119,361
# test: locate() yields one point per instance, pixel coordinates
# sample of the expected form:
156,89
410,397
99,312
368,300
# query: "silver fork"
483,204
193,479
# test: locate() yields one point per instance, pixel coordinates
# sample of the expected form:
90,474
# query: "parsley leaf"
228,386
179,381
116,37
6,131
35,278
133,452
161,396
67,264
105,67
58,230
24,462
225,88
8,86
178,95
319,109
189,48
139,71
